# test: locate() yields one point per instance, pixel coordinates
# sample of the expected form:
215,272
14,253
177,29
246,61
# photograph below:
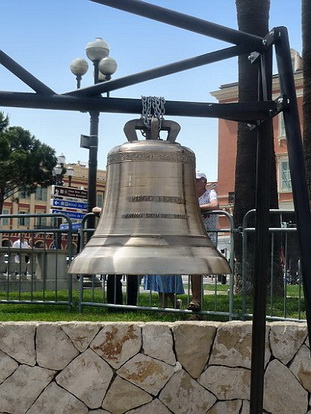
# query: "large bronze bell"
150,222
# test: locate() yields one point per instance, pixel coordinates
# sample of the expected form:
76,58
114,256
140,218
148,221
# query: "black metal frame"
258,113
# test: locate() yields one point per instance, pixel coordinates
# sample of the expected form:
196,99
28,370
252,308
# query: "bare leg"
196,282
171,296
163,300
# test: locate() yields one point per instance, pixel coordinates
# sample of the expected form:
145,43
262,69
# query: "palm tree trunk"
2,192
253,17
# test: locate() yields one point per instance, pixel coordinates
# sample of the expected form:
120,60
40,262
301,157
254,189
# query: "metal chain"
146,110
158,108
152,106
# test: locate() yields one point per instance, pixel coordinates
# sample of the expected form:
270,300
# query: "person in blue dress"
168,286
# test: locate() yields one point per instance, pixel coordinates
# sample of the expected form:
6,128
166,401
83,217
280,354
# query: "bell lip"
137,264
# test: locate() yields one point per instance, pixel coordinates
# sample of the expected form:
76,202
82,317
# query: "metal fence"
39,274
285,298
35,271
217,290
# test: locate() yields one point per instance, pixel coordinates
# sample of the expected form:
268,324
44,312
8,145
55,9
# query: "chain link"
152,106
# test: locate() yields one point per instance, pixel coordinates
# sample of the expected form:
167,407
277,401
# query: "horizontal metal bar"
24,75
244,112
184,21
276,318
155,309
161,71
273,229
35,302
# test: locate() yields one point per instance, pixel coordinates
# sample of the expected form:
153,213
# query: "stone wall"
149,368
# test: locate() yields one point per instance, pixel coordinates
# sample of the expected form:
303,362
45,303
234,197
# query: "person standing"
114,290
114,283
21,243
208,201
168,286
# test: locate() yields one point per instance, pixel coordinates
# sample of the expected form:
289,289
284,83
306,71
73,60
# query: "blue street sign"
69,204
60,191
75,226
71,214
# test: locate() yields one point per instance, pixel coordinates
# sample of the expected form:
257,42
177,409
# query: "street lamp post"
70,173
58,172
104,66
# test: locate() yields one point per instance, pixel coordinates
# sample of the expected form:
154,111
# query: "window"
23,221
100,199
23,194
9,193
40,222
285,178
5,221
41,194
282,133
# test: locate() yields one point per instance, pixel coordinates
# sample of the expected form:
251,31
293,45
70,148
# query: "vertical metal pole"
261,260
296,162
96,71
92,173
260,267
93,149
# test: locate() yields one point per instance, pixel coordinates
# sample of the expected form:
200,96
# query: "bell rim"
139,261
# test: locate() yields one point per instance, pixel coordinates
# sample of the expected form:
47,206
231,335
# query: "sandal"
194,306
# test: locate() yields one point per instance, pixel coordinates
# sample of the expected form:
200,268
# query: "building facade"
40,202
227,143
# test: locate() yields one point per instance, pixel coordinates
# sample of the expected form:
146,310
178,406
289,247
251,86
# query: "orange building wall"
227,144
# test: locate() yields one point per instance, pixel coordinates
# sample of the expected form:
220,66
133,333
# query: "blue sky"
45,36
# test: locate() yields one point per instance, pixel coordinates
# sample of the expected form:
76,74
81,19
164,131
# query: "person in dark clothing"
114,284
114,289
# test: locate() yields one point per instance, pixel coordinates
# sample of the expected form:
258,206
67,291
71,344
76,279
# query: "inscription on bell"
155,215
157,199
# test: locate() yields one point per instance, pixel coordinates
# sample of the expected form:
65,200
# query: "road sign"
58,190
75,226
71,214
80,205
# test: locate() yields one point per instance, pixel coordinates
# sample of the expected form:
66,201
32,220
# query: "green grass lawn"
216,306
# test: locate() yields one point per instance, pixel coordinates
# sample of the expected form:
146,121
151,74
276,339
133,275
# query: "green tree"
4,121
306,67
253,17
25,162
